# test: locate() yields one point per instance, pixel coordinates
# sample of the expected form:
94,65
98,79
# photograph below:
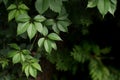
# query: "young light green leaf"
32,71
12,6
22,58
31,31
27,71
14,46
23,18
23,6
37,66
113,5
23,11
38,26
41,5
11,15
92,3
45,31
54,36
17,13
39,18
54,46
55,5
41,42
103,6
47,45
22,27
16,58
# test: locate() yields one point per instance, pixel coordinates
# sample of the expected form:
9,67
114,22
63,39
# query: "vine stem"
33,42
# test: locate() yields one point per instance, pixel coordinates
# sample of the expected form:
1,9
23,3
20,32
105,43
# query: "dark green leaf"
55,5
14,46
41,5
49,22
54,36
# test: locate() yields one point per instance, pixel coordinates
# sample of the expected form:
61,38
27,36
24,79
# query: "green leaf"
14,46
12,53
55,5
103,6
11,15
27,70
31,31
37,66
113,5
41,5
39,18
92,3
61,28
16,58
96,49
12,6
23,6
41,42
5,2
45,31
47,45
55,28
32,71
22,27
54,46
23,18
62,15
17,13
22,58
23,11
38,26
49,22
54,36
26,52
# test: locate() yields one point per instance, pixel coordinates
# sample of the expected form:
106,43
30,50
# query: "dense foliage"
42,38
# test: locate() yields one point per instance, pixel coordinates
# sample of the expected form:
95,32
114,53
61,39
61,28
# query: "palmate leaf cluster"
38,24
